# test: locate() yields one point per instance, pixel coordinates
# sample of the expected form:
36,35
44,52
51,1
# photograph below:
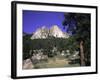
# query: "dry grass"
55,63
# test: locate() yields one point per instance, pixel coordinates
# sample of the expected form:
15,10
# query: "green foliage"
81,29
45,44
49,43
27,45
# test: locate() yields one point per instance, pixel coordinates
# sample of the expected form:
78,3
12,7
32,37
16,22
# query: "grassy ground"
55,62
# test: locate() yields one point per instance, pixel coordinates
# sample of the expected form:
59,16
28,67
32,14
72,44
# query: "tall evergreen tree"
78,25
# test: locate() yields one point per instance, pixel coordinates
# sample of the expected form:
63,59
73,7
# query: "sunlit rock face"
56,32
44,32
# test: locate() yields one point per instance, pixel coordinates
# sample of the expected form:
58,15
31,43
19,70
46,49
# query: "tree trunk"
82,58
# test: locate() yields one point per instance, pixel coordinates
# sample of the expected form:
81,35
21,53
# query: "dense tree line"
45,44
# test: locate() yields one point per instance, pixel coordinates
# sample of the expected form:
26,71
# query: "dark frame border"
14,37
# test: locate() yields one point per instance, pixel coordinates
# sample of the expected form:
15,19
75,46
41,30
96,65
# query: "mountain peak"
43,27
55,27
54,31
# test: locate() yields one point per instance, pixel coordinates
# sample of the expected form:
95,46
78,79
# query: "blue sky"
35,19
